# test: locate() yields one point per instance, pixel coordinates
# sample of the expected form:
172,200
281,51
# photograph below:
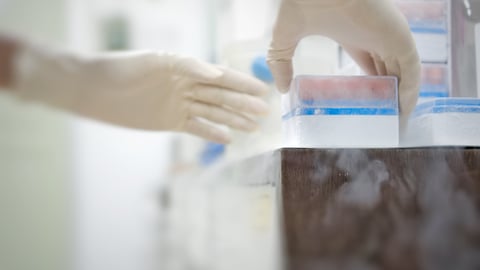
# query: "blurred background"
82,195
77,194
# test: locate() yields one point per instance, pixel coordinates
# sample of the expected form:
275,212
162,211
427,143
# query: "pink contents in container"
347,88
324,111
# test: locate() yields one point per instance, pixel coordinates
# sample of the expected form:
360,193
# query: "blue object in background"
261,70
211,153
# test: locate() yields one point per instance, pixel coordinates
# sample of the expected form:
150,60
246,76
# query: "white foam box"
445,122
341,111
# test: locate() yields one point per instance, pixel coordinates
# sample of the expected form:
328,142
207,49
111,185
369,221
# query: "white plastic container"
341,111
432,46
434,83
445,121
428,22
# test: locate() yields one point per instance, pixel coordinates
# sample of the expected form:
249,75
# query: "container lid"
448,105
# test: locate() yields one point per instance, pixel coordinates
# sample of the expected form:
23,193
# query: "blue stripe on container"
433,94
446,105
340,111
451,101
349,103
456,109
428,30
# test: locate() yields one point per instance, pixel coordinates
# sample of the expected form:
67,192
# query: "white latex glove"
142,90
374,33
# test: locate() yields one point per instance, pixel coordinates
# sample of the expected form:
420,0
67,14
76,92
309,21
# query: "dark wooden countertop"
413,208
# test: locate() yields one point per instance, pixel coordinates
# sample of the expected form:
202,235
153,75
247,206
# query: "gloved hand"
143,90
373,32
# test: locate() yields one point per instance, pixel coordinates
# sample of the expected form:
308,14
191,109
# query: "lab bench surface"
411,208
301,209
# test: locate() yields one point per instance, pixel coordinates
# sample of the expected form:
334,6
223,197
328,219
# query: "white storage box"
341,111
434,82
445,121
432,46
428,22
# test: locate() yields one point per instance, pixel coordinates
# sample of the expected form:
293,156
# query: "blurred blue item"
211,153
261,70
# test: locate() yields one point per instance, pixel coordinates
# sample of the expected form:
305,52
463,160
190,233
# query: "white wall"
35,198
118,171
117,178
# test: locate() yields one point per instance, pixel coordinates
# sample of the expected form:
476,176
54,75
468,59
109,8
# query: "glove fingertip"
223,139
219,134
282,89
282,73
283,84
